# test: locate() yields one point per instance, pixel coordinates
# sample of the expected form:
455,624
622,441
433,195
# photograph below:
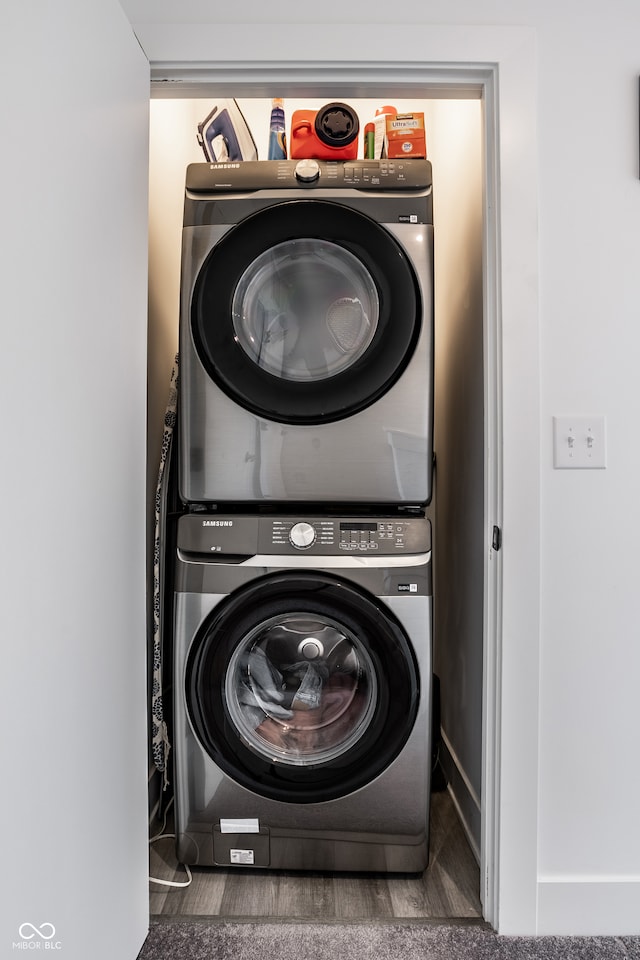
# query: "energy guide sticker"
242,857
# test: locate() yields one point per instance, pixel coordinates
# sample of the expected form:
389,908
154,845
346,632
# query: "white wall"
172,146
72,617
458,509
588,853
590,211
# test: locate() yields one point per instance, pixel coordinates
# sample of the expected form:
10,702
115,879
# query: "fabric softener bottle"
277,132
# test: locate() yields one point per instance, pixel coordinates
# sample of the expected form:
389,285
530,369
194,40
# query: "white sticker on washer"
244,857
239,826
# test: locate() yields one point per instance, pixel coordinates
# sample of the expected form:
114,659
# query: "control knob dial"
307,171
302,535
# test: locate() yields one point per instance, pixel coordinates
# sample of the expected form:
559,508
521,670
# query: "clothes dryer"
306,333
302,718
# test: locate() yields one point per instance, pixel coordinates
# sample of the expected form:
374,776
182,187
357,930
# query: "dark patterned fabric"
160,745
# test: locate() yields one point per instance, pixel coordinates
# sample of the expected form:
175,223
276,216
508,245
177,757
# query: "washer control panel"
244,536
326,536
339,536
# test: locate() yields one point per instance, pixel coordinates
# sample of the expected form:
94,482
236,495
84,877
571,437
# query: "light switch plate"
579,443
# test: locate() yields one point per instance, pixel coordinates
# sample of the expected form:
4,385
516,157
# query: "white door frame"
498,65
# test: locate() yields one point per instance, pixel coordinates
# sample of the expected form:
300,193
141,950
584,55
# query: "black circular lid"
337,124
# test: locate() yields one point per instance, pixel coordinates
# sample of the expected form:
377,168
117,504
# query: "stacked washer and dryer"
303,601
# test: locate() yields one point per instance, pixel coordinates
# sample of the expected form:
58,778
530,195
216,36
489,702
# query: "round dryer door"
306,312
302,687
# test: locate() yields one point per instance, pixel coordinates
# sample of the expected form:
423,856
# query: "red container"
331,133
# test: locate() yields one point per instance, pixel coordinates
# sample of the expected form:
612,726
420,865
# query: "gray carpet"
223,940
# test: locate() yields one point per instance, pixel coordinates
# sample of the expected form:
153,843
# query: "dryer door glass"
305,310
301,686
301,689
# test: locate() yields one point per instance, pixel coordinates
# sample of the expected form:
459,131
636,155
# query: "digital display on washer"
364,527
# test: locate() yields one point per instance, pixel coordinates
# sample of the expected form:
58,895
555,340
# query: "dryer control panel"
245,536
250,175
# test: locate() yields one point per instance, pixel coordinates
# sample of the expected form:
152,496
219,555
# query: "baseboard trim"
464,797
589,906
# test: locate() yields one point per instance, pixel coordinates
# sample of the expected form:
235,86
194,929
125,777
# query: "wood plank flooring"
448,888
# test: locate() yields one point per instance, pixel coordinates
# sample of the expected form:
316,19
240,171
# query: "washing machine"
306,332
302,687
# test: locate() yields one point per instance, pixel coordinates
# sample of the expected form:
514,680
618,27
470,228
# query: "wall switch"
579,443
